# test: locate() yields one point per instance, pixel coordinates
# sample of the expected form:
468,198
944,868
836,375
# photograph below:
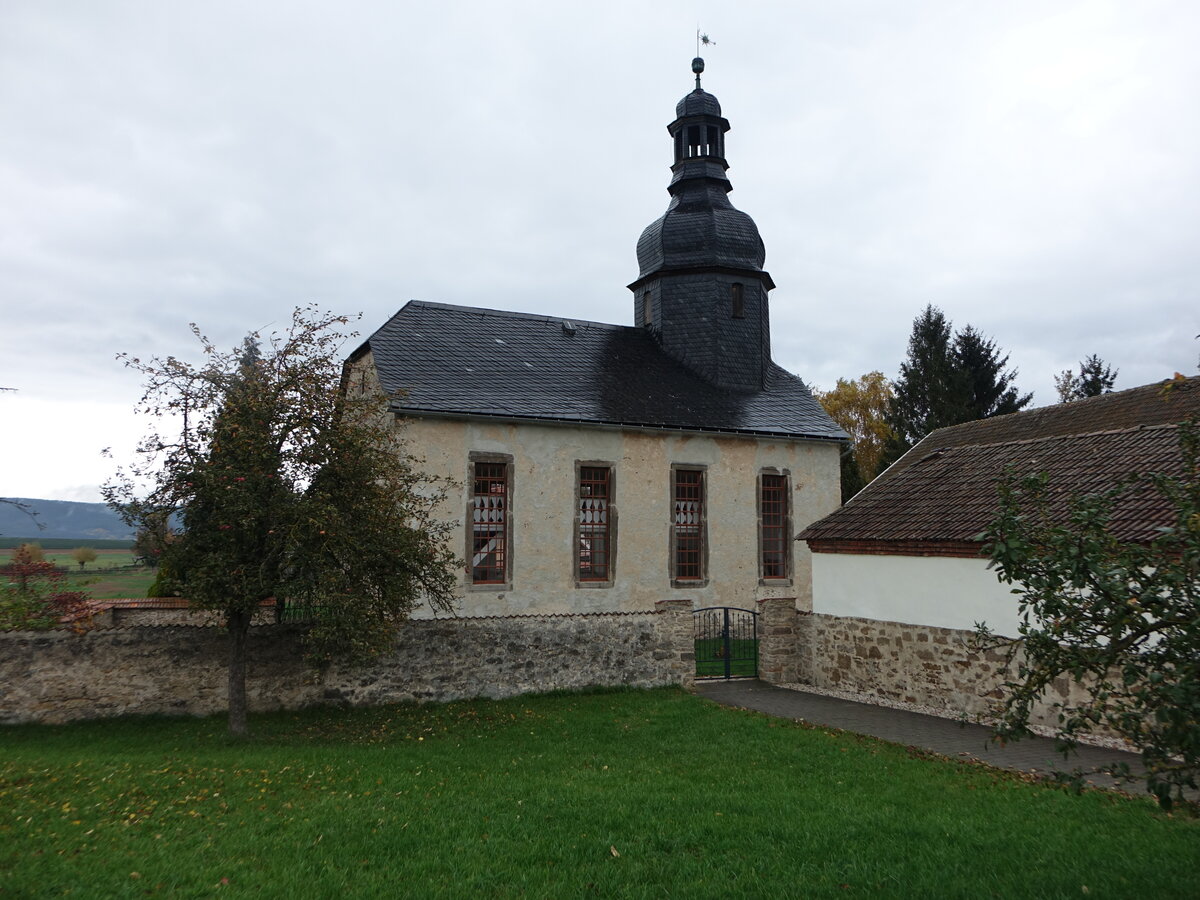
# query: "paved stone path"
944,736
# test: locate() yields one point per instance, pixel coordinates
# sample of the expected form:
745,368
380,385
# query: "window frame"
579,530
784,527
701,579
737,300
475,458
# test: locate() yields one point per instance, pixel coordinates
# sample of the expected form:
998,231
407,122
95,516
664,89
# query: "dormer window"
737,301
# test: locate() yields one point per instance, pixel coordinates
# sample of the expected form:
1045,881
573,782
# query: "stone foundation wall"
915,664
63,676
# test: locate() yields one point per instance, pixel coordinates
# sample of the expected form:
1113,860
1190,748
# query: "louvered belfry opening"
689,525
595,494
489,523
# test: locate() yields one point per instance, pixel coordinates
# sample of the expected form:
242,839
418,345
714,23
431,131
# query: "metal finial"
697,67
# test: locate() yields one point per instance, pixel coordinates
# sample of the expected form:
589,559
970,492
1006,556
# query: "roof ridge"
1075,435
1150,387
508,314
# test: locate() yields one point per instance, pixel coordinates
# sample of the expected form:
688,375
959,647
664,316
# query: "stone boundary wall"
919,665
63,676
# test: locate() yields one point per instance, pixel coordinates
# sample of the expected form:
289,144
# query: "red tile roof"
1161,403
943,492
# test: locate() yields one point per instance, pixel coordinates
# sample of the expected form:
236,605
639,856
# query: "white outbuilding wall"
943,592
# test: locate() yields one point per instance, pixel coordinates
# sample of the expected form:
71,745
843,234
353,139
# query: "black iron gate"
726,641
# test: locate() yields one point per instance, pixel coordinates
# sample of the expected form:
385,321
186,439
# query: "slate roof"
438,359
697,103
945,491
700,228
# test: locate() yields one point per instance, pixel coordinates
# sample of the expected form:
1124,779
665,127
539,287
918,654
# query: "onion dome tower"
701,289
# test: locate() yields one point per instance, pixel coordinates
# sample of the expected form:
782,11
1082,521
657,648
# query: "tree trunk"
239,627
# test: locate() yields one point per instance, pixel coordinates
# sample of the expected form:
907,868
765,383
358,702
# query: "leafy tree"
83,555
1095,377
1065,383
1118,618
860,407
947,380
149,541
33,594
28,552
289,489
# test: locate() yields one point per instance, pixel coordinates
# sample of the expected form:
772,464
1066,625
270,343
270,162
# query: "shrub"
33,596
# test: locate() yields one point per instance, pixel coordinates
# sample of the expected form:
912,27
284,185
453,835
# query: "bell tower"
701,288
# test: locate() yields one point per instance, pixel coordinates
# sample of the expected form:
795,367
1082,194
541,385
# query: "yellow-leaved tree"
860,407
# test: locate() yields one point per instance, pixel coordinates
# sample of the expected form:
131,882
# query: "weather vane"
698,63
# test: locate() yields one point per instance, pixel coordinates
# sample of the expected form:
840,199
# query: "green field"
111,576
633,794
10,543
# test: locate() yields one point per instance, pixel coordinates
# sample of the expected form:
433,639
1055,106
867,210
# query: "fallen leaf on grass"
613,851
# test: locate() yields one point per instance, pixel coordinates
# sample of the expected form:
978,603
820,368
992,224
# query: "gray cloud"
1033,172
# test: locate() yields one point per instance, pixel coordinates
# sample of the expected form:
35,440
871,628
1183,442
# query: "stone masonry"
63,676
917,665
781,642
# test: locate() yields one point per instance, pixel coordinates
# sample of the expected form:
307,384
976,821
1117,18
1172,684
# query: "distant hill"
63,519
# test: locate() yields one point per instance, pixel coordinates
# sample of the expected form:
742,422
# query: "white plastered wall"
543,509
945,592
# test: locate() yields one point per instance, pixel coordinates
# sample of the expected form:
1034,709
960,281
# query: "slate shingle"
434,358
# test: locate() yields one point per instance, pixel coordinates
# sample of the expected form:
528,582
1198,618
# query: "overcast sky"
1033,168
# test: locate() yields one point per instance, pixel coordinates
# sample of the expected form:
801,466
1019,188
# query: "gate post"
678,632
778,640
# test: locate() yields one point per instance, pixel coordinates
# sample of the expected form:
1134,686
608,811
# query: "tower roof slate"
435,359
698,103
700,228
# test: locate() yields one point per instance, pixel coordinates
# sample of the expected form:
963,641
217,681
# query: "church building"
604,467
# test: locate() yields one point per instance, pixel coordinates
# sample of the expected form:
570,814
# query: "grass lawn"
631,794
109,577
105,558
114,586
710,658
